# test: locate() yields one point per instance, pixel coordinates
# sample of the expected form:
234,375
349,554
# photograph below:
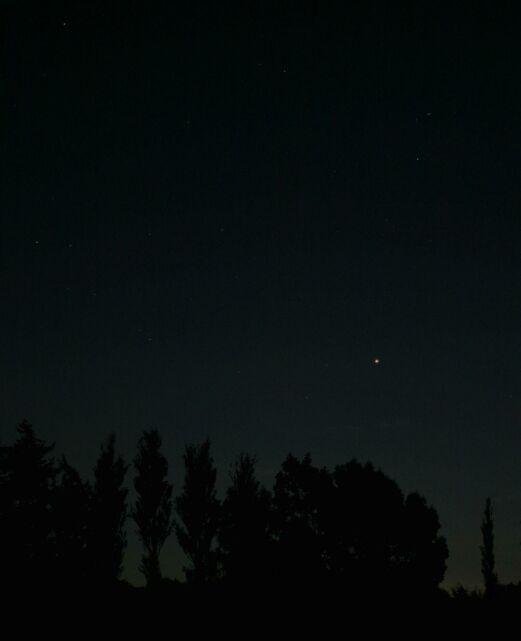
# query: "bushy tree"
153,509
364,522
423,550
355,529
198,512
380,540
301,497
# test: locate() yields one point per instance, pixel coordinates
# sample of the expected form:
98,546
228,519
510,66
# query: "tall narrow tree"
198,511
244,526
153,510
71,512
488,559
107,538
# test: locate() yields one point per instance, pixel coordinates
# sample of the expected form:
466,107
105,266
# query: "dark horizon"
173,559
283,226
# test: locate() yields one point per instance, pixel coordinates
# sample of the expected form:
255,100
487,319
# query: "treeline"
351,526
350,529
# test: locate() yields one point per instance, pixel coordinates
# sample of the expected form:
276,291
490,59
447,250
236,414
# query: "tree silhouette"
353,528
198,511
349,531
488,560
107,537
71,521
301,495
244,533
423,551
378,539
153,510
26,490
363,526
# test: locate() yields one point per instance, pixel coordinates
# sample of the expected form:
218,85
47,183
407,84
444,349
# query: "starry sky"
287,226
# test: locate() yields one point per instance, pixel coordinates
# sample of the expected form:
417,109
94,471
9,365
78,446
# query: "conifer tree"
488,559
107,537
27,481
244,525
153,509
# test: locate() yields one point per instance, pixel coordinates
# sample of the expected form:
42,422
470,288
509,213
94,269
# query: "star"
376,361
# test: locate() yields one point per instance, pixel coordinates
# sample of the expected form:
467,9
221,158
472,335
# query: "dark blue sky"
216,215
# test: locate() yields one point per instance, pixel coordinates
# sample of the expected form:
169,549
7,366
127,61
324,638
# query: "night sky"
287,226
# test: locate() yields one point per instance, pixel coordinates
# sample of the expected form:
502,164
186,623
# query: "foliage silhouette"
301,499
244,530
27,481
353,528
347,533
424,551
71,526
364,526
198,512
488,559
153,509
107,537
